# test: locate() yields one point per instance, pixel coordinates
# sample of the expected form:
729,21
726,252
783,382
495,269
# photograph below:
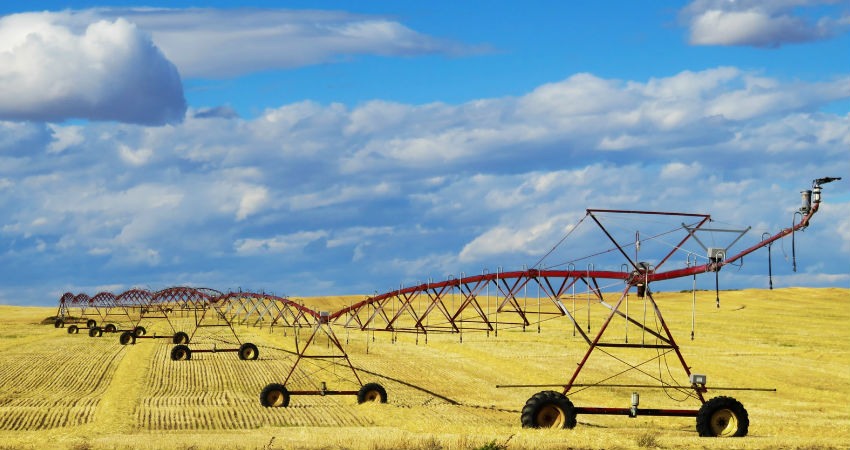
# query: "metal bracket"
715,254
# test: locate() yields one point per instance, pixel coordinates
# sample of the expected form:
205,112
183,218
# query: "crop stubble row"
51,384
218,391
60,382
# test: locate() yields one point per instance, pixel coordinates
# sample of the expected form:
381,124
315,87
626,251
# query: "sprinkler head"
824,180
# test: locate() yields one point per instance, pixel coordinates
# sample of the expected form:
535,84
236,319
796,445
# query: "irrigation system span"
488,302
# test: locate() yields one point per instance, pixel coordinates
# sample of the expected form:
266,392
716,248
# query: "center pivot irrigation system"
489,301
506,300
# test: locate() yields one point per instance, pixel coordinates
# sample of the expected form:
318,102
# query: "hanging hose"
717,287
716,259
460,311
525,300
538,308
769,260
589,268
575,320
643,325
693,299
793,244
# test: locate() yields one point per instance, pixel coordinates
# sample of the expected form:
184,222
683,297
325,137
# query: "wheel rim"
275,398
372,396
724,422
181,354
550,416
248,353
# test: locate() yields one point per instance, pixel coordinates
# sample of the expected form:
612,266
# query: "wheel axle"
719,417
276,395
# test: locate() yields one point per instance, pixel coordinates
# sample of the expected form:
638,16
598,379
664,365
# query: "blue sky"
320,148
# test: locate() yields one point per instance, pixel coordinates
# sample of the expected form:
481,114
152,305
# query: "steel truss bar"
597,344
301,351
704,218
639,324
458,301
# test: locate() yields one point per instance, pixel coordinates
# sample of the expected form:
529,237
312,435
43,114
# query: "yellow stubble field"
76,392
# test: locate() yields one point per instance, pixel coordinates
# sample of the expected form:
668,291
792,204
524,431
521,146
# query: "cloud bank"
308,198
319,199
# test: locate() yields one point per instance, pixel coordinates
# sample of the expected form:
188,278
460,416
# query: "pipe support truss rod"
457,304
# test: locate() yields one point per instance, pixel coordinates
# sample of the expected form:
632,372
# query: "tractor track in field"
121,397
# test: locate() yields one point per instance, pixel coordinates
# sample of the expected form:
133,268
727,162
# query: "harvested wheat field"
62,390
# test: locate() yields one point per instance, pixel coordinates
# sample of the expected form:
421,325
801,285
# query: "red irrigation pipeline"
188,295
714,266
267,297
811,203
485,278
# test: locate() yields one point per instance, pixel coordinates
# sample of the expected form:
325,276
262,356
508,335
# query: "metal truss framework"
483,302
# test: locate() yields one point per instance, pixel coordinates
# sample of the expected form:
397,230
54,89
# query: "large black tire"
274,396
73,329
110,328
91,323
722,417
180,338
59,323
139,331
373,393
248,351
548,409
126,338
181,353
95,332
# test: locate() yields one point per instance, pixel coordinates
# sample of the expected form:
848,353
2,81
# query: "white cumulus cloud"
759,23
55,68
252,201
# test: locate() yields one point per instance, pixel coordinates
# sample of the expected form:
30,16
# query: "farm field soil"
67,391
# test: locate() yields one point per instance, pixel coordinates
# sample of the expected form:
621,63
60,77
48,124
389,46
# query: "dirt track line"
420,388
116,411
